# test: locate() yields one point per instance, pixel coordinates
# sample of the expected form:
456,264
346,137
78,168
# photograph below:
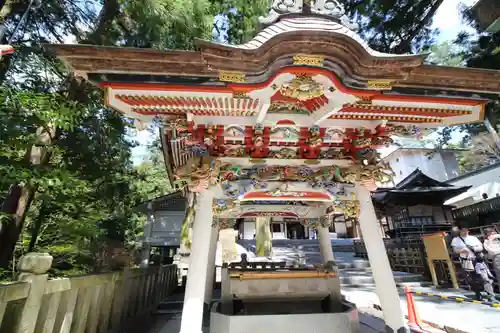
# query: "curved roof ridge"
309,23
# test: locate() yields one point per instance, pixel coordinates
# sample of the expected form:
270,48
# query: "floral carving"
221,205
285,132
175,126
350,208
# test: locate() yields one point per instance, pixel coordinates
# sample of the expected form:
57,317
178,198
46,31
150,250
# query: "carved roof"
310,24
418,188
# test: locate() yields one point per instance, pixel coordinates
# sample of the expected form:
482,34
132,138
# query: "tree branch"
405,45
109,12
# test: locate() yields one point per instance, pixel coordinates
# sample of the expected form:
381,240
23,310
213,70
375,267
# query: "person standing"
492,246
470,250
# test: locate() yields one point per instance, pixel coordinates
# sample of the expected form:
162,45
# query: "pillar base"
401,330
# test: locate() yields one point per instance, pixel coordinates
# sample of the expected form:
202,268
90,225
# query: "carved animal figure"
285,153
236,152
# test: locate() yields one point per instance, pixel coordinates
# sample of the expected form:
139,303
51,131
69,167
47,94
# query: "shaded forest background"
67,182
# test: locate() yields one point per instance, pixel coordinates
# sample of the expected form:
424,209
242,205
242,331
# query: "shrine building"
286,125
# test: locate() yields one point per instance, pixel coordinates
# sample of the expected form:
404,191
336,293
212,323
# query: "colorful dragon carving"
381,172
199,178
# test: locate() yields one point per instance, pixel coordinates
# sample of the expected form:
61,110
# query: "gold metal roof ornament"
302,87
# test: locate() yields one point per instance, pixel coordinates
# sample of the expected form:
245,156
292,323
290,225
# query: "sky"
447,20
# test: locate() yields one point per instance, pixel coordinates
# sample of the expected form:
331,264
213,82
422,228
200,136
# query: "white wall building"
487,174
441,164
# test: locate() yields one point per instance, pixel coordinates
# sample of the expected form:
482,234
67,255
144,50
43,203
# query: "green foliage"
85,184
399,26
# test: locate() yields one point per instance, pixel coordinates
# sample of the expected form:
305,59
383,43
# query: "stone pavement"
171,323
467,317
358,288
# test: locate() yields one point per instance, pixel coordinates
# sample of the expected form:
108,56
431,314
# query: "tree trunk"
38,225
19,199
492,132
18,202
405,45
109,12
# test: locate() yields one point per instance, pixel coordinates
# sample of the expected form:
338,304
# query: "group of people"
473,255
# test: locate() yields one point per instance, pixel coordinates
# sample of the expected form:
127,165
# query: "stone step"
357,280
170,306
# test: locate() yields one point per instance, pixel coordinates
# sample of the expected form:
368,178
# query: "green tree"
396,26
66,178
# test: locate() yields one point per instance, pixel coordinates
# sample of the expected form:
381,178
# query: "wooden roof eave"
418,197
303,42
85,59
453,78
339,51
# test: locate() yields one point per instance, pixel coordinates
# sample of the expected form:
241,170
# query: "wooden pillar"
148,228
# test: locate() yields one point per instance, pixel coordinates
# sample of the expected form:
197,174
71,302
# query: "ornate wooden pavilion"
295,114
415,206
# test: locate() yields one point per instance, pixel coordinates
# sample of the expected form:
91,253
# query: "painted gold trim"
380,84
312,162
240,95
369,107
364,100
385,117
226,76
107,100
308,60
257,161
482,113
281,275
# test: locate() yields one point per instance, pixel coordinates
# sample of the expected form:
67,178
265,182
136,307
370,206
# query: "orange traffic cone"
413,317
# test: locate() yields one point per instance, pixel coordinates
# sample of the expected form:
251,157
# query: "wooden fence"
410,258
93,303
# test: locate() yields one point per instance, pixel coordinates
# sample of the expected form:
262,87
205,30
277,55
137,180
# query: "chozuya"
323,7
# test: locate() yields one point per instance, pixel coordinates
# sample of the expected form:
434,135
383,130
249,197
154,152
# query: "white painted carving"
323,7
328,7
280,7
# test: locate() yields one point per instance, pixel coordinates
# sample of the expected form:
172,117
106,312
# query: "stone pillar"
229,252
33,268
148,228
192,312
263,237
382,274
214,235
325,244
